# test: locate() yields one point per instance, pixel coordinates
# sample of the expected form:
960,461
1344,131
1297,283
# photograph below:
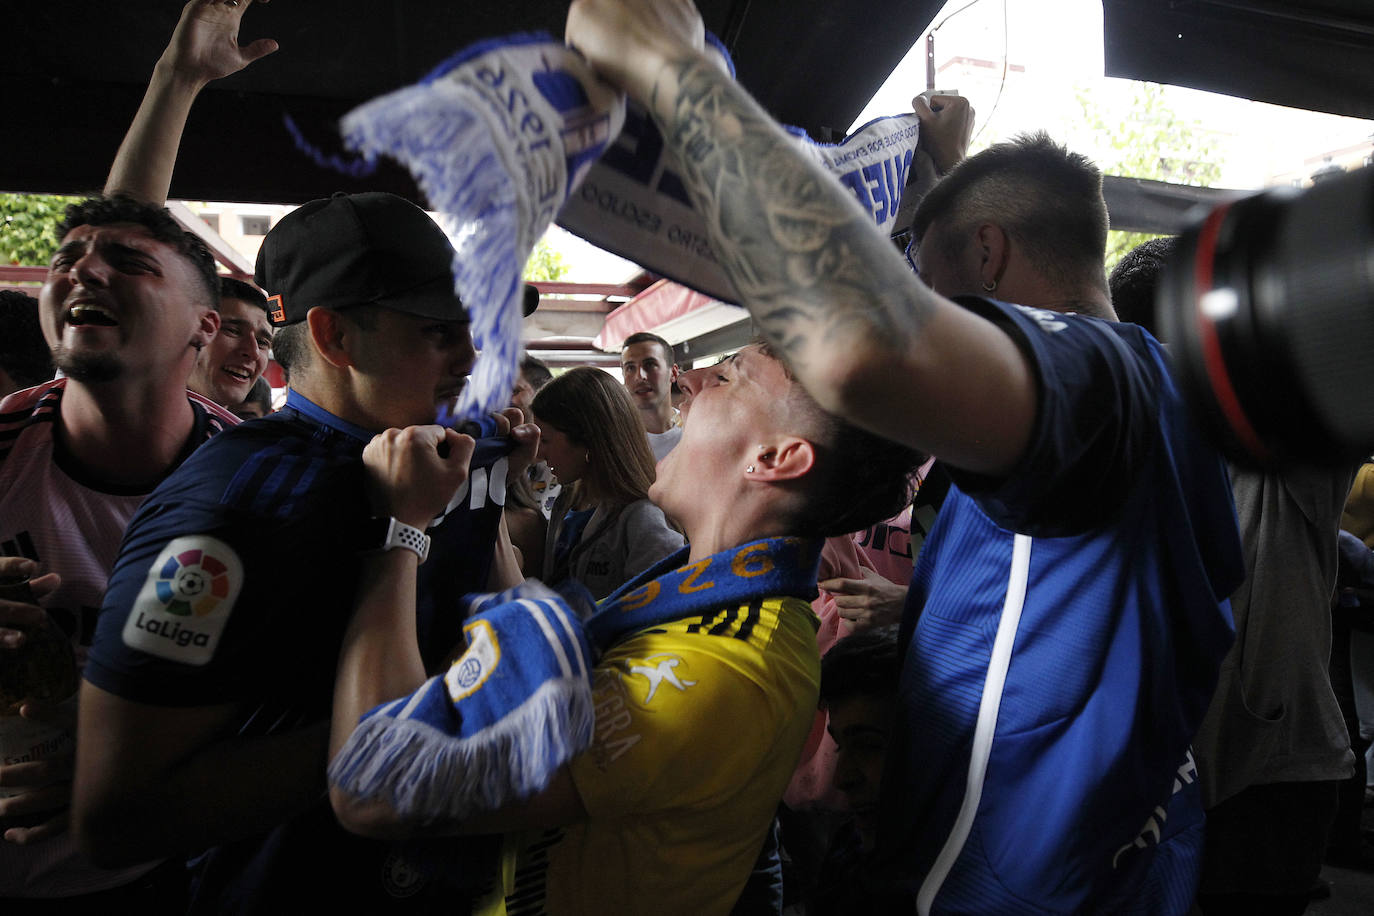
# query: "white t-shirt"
663,443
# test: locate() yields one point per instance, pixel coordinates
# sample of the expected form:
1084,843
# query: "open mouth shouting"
87,313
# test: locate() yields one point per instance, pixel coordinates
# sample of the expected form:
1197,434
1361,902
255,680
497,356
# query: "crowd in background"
931,599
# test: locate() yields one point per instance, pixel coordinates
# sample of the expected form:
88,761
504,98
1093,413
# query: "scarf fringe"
429,776
440,132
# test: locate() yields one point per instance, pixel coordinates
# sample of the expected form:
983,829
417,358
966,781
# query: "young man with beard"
128,308
128,303
211,674
213,661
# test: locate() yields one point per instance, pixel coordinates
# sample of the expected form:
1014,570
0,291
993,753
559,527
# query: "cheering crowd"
1062,659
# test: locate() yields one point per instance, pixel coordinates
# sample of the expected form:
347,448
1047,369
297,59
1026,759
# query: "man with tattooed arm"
1067,616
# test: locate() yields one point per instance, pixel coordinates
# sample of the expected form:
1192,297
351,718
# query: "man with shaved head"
1067,616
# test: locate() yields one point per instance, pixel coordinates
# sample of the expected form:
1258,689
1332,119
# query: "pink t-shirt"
812,784
71,527
890,547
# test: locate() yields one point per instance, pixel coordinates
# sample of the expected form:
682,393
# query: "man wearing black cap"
210,682
218,649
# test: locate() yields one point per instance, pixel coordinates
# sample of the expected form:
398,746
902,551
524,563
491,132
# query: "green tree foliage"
546,263
27,224
1147,140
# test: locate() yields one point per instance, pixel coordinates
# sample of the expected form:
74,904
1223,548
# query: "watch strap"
399,534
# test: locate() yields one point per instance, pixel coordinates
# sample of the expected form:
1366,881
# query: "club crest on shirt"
185,601
400,878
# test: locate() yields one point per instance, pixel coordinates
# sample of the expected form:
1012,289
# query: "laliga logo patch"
192,583
181,610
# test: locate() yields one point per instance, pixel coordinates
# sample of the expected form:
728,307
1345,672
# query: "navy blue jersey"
234,584
1066,626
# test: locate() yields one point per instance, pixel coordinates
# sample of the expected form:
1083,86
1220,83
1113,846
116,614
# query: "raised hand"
205,45
627,42
946,126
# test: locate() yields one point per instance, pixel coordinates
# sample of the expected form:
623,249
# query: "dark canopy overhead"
73,71
1316,54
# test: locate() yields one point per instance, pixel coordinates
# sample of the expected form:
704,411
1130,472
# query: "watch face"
372,534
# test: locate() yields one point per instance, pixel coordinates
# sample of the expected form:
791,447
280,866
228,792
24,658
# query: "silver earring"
749,470
990,286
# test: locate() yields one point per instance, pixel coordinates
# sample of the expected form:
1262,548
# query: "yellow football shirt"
699,724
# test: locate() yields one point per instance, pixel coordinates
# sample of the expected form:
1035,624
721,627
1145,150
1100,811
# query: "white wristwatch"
394,533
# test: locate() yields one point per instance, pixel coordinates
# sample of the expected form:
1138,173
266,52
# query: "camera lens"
1269,305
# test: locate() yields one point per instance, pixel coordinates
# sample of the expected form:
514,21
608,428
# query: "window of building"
255,225
211,220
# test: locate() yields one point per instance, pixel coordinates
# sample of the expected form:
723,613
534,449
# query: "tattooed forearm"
807,262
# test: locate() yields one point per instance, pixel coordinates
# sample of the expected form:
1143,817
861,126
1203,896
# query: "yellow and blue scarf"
517,705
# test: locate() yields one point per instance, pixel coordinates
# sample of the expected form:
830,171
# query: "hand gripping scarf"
517,705
511,132
497,137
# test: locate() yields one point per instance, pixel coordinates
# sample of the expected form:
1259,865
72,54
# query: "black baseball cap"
357,249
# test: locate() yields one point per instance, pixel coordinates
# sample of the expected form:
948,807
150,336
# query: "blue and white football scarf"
496,136
511,132
517,705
